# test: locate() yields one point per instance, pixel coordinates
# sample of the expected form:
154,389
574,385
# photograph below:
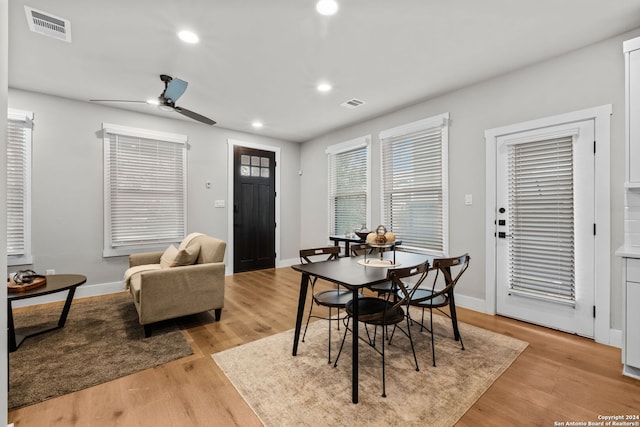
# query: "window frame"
110,249
26,257
340,148
439,121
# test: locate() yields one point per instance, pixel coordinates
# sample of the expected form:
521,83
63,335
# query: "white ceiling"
261,59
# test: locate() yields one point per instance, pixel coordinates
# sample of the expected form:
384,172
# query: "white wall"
585,78
4,58
67,181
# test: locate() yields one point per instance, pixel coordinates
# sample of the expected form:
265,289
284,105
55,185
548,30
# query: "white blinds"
541,220
18,178
145,180
414,187
348,189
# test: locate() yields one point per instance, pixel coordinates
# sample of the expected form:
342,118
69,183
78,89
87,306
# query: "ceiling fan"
173,89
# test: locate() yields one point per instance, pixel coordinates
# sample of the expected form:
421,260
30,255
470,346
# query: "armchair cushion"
168,256
173,257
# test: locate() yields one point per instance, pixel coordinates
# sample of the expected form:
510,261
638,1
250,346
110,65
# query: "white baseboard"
630,371
470,303
83,291
615,338
288,262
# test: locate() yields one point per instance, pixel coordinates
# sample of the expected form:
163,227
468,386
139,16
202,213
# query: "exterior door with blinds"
545,227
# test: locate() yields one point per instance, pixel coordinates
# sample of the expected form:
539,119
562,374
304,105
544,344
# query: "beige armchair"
178,282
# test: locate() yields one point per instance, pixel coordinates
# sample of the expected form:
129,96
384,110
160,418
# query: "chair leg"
147,331
413,349
344,337
308,318
384,386
218,314
329,342
433,346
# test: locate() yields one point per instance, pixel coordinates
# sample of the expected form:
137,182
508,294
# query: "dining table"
353,273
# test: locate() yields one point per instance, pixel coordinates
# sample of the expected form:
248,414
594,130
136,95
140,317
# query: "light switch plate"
468,199
219,203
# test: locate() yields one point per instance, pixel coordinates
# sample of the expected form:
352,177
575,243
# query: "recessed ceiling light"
257,124
324,87
188,37
327,7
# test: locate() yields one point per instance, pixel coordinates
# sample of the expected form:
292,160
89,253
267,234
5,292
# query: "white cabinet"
632,134
631,328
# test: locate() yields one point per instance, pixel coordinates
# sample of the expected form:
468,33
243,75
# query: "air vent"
47,24
352,103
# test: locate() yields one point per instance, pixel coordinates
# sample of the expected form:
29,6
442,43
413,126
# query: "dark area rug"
101,341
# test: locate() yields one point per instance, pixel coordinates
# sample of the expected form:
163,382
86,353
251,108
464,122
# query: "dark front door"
254,209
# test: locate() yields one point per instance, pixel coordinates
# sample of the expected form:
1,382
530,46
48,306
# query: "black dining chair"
440,295
331,298
362,249
388,311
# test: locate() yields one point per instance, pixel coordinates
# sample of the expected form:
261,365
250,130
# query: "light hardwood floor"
558,378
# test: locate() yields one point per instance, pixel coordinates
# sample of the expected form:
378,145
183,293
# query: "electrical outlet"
219,203
50,272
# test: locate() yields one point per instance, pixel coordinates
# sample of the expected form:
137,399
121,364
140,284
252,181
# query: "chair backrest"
358,249
398,277
326,253
451,269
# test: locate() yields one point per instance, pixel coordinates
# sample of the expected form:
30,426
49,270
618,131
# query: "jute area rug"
307,391
101,341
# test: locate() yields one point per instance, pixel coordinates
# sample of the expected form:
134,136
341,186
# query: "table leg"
304,284
347,246
67,306
454,316
354,337
16,340
13,346
452,310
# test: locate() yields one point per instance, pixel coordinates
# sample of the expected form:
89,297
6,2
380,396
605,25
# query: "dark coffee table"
55,283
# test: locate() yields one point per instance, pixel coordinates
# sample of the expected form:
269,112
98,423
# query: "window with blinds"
541,219
348,185
415,184
19,187
145,189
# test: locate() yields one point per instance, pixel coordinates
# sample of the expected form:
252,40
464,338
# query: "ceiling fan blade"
194,116
175,89
117,100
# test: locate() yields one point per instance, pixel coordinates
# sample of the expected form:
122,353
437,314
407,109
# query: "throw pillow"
168,257
186,256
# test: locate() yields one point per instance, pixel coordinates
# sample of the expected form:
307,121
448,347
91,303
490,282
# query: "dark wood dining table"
351,274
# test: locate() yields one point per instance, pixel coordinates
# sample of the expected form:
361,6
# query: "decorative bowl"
363,234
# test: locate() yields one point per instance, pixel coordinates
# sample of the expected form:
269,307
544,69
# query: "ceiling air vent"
47,24
352,103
